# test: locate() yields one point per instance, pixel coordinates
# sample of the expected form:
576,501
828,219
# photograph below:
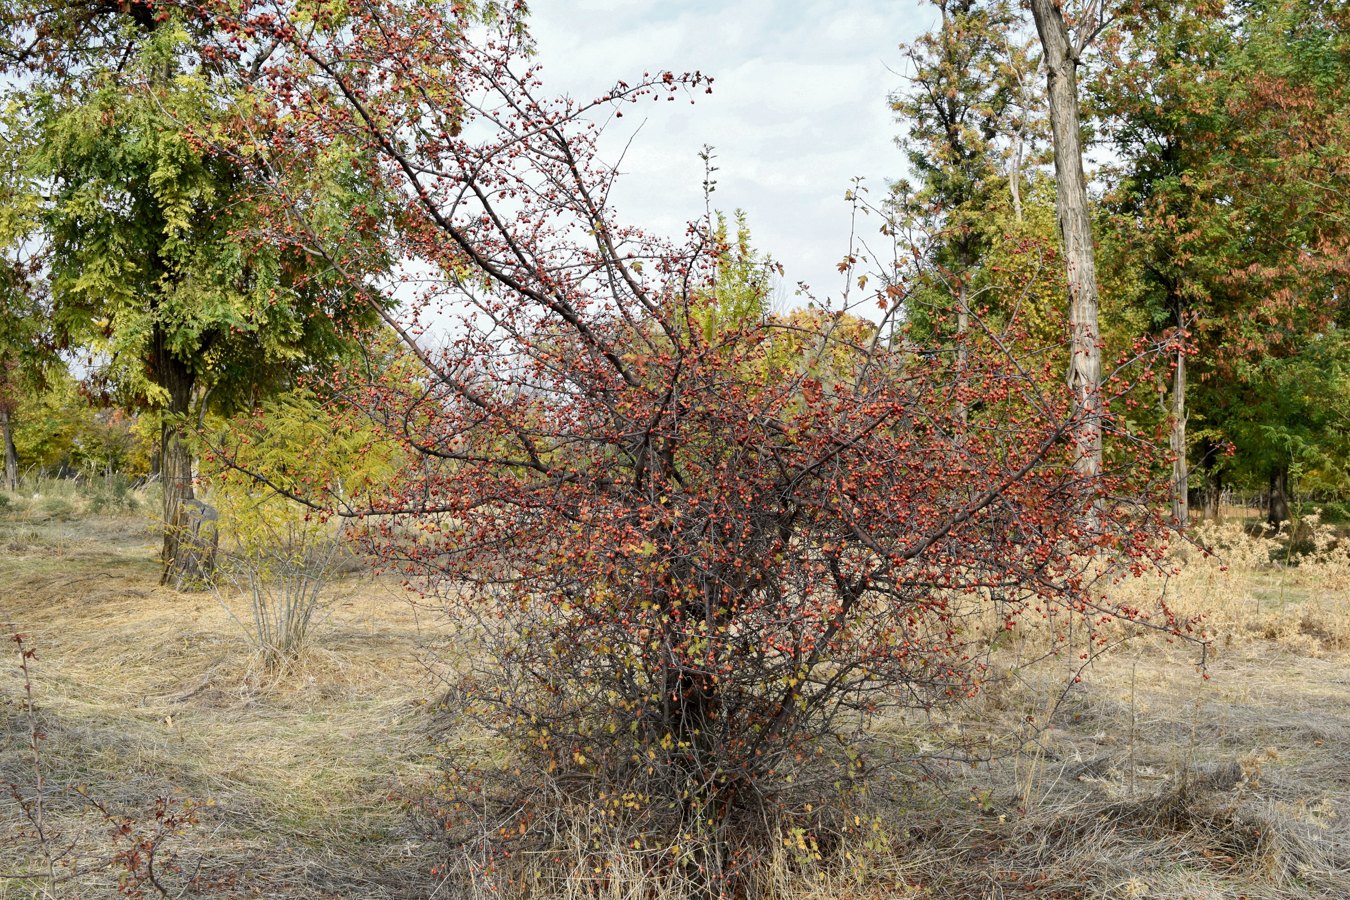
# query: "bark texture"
1181,510
185,558
1278,511
1085,366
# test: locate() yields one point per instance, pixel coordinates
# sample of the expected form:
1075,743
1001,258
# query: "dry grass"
1149,781
1155,778
143,692
1249,589
1154,782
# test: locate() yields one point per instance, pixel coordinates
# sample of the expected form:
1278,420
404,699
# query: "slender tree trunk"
1075,225
1278,513
1213,493
175,462
11,454
1180,473
1209,461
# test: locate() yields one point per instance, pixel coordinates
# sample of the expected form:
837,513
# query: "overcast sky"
798,109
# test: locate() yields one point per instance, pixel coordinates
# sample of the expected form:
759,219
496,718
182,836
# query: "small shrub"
111,494
56,509
286,572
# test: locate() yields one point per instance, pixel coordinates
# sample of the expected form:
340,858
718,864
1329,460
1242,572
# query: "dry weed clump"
600,853
1235,583
1149,782
1119,771
1251,585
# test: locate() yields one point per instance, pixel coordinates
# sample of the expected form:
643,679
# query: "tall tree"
157,257
953,109
1229,123
1158,109
27,344
967,141
1062,51
1281,159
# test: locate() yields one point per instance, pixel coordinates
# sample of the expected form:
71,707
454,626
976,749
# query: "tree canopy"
161,259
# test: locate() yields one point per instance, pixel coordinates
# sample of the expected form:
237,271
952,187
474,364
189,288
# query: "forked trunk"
1075,225
710,796
691,716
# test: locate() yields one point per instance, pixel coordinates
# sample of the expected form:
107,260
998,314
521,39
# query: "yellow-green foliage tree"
26,342
741,286
291,442
158,264
58,429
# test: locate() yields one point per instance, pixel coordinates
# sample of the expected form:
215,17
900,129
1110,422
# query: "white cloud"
798,109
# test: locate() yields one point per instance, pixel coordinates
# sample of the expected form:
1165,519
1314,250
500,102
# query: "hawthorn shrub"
698,547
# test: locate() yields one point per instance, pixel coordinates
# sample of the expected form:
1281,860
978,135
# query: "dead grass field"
145,693
1150,782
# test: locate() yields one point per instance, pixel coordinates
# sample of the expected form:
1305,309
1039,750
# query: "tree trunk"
1075,225
11,454
712,792
1278,512
1213,493
1210,465
1180,474
175,464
